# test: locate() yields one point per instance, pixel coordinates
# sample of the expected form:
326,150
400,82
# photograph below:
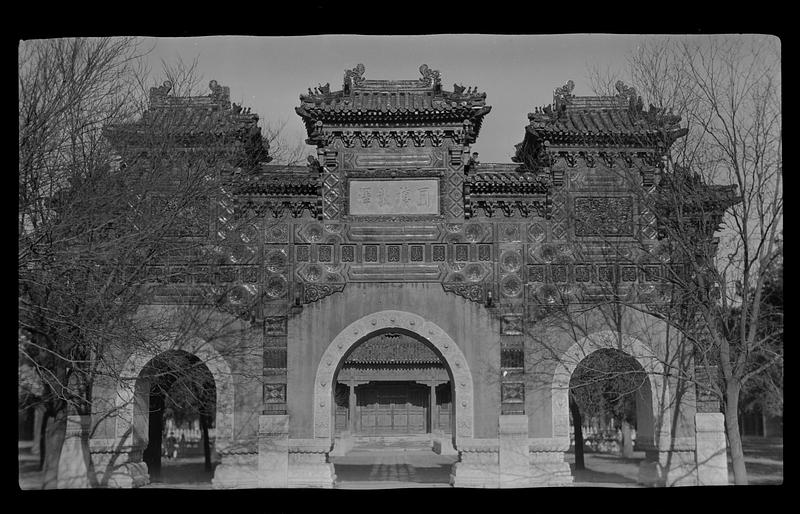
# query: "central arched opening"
181,400
393,388
400,392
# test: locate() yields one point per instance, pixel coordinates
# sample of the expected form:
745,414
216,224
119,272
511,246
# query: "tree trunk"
577,423
734,436
54,440
627,442
152,454
206,444
42,439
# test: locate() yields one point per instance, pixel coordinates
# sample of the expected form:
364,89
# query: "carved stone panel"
603,216
274,393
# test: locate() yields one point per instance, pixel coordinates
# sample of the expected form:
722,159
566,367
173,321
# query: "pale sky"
518,73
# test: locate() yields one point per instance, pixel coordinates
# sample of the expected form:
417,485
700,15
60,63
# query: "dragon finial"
429,76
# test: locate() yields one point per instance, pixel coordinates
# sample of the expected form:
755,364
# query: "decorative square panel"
511,324
393,253
370,253
275,325
484,252
348,253
513,358
512,392
462,253
275,358
651,273
627,273
605,273
226,274
559,273
274,393
536,233
439,253
325,253
416,253
536,273
582,273
302,253
249,274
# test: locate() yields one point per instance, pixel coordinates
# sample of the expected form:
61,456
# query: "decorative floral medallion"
473,233
276,286
511,286
276,260
277,234
314,233
511,261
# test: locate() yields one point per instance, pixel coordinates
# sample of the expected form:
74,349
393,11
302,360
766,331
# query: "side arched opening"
181,397
596,365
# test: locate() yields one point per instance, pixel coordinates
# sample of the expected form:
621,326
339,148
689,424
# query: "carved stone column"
351,406
434,409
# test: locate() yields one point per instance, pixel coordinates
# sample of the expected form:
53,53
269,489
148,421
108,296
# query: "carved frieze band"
610,159
396,138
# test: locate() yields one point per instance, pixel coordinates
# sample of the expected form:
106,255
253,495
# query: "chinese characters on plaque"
401,196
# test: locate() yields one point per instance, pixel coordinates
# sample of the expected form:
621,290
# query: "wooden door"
392,409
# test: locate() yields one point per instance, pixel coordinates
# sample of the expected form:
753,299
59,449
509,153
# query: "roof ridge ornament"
158,95
353,77
430,77
628,93
562,95
220,94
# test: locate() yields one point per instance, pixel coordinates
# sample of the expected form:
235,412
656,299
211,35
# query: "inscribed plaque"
402,196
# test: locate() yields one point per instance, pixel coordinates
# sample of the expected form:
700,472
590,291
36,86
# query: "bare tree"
727,89
107,230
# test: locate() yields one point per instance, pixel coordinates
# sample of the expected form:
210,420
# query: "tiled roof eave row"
370,115
649,137
393,362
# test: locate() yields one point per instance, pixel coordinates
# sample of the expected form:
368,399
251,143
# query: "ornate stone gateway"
396,234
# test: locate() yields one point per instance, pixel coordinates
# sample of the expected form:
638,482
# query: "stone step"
422,442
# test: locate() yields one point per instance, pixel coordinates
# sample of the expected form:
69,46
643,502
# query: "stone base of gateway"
512,460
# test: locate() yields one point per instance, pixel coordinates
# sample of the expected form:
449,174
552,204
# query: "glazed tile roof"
392,100
506,179
598,120
278,180
392,349
192,120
